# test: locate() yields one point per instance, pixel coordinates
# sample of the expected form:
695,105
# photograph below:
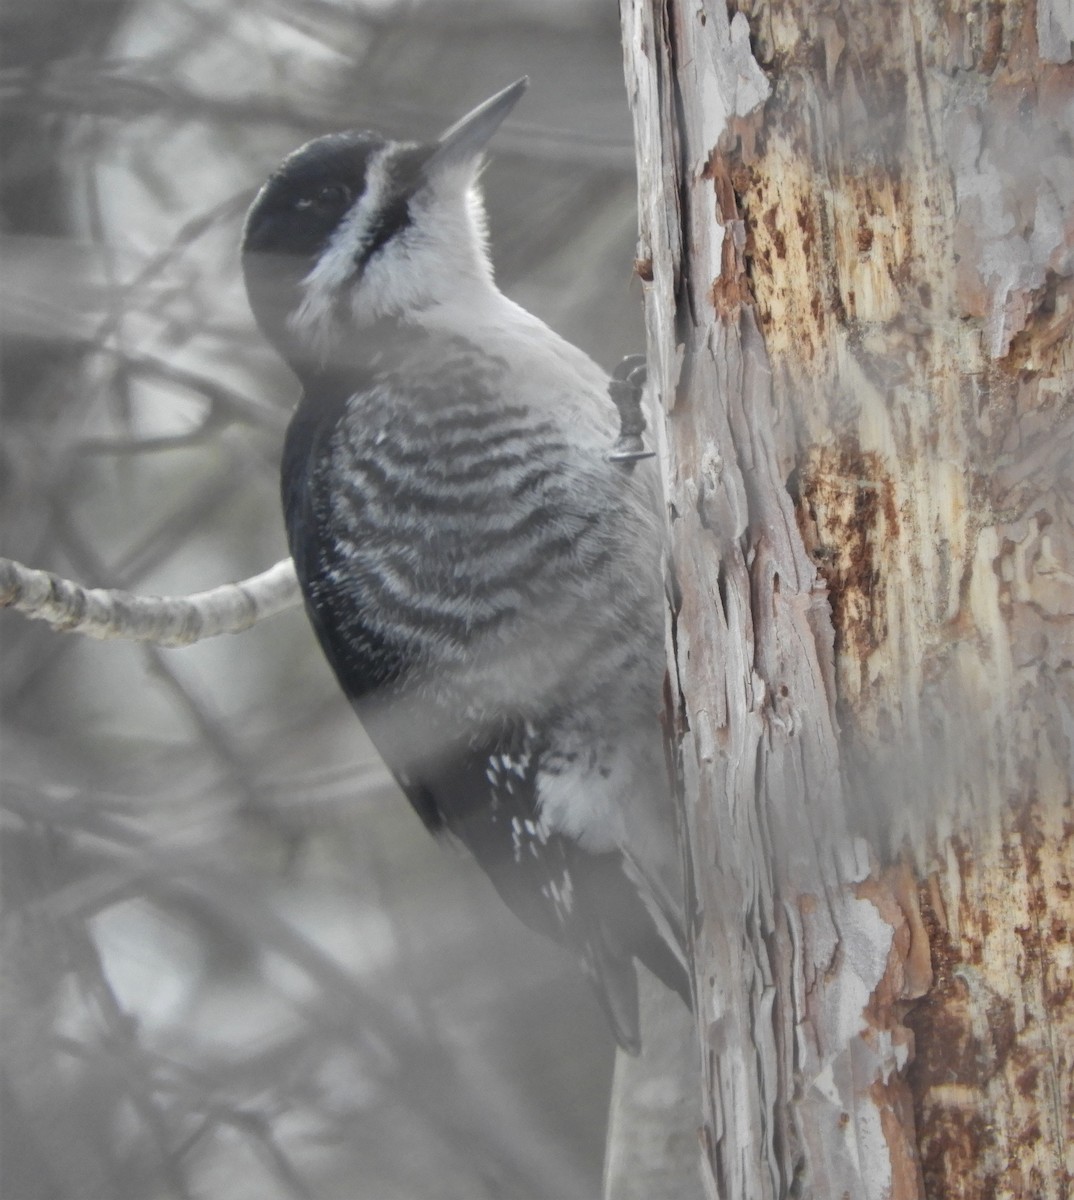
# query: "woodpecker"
483,573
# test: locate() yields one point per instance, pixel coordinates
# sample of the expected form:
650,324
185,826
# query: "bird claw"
626,388
632,369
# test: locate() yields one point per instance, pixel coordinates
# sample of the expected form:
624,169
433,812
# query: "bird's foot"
626,389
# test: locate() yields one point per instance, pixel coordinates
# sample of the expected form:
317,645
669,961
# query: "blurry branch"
126,94
164,620
213,730
225,403
228,209
411,1060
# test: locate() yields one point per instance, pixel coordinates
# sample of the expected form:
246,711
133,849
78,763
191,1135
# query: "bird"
482,571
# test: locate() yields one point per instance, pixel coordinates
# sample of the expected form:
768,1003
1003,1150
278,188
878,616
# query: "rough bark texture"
858,231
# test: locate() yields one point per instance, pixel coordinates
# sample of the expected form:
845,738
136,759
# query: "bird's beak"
465,140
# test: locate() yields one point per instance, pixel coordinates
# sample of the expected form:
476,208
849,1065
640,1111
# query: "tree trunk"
858,235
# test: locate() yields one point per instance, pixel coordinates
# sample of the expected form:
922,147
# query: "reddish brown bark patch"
991,1077
846,512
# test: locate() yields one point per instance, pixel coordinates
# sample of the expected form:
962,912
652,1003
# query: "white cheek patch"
317,313
441,250
392,281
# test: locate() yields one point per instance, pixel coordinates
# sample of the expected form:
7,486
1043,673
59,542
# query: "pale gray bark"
857,231
796,936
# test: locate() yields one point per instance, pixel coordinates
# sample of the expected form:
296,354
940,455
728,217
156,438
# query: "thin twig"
164,620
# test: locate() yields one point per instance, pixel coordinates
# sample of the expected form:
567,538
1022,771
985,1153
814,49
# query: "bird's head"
353,228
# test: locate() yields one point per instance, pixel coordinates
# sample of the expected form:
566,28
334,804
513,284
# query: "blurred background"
235,965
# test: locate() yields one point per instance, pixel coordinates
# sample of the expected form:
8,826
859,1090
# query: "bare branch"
164,620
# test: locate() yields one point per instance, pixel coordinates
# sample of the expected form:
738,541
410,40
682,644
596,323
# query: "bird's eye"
332,197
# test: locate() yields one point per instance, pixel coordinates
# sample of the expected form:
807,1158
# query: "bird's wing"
484,793
480,785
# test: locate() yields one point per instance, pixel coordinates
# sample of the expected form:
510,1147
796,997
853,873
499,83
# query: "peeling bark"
858,235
